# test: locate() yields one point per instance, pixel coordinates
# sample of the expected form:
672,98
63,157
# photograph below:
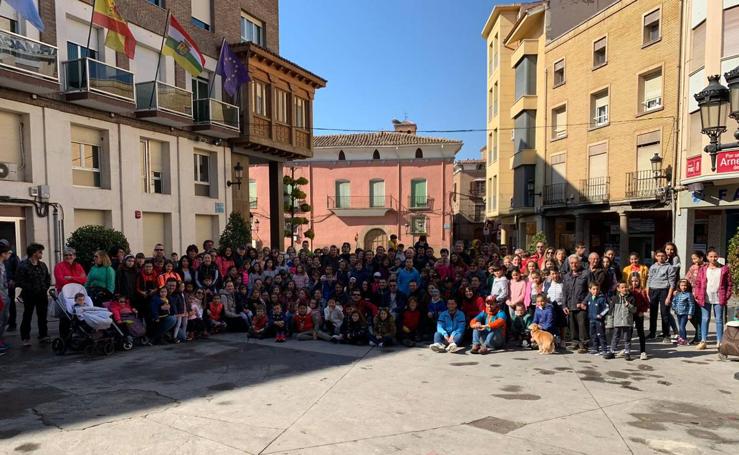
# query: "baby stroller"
132,330
730,341
89,326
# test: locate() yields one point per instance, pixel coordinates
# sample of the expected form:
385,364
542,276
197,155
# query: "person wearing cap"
488,328
69,270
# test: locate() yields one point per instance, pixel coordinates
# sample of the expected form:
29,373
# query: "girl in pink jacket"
712,291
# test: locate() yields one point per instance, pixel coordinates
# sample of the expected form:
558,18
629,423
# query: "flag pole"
89,31
159,60
213,83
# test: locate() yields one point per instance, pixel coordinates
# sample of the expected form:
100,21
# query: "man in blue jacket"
449,329
406,275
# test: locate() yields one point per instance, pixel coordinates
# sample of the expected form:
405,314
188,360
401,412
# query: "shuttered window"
731,32
646,146
598,161
201,13
696,83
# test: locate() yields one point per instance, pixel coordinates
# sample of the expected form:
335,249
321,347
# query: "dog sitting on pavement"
543,339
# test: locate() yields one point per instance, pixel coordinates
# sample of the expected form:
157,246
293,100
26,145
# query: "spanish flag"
119,37
182,48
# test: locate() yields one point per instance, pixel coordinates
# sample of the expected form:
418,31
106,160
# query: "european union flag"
234,73
27,9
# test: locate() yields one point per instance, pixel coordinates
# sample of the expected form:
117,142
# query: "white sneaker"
620,354
436,347
643,356
452,347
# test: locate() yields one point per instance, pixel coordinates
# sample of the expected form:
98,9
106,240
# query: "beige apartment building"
611,89
468,198
708,201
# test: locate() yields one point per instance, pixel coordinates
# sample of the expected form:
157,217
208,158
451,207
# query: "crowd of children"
477,296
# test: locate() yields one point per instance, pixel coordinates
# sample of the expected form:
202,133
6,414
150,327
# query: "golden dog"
542,338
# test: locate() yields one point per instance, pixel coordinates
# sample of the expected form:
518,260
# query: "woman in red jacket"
69,270
712,291
472,304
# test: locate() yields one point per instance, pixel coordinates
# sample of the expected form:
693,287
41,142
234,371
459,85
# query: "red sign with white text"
728,161
693,168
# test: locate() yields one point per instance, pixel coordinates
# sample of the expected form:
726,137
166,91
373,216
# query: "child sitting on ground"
622,308
410,332
384,329
260,323
304,325
333,317
279,323
597,310
520,334
355,331
683,304
214,311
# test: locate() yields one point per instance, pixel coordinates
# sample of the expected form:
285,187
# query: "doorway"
375,238
11,229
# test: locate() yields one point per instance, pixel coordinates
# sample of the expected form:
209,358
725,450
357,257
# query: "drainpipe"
678,125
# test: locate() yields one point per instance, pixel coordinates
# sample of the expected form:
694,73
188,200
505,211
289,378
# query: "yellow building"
611,83
708,205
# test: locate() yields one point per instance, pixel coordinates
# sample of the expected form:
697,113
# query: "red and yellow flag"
119,37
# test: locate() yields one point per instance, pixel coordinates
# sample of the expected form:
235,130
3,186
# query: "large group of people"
482,296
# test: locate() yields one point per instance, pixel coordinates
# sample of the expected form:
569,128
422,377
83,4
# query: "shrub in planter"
86,240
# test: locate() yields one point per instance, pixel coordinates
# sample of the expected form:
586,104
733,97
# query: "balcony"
27,64
89,82
642,184
420,203
555,194
594,191
164,104
216,118
361,206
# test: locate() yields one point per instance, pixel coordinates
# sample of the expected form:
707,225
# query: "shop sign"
693,167
728,162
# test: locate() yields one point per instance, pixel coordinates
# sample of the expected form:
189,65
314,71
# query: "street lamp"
666,193
238,175
713,102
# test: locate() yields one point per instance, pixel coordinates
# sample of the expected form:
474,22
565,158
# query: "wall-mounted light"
238,175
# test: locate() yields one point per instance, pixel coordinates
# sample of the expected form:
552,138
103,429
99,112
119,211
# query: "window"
559,122
201,13
490,59
200,88
259,98
343,194
559,73
523,186
646,146
490,104
419,198
86,150
598,161
252,194
377,193
697,12
252,29
495,145
524,133
600,56
10,131
652,29
599,108
495,53
494,193
419,153
152,166
495,99
557,175
731,40
375,155
696,82
419,225
8,24
202,173
76,51
477,188
526,77
698,48
159,3
342,157
301,113
281,106
650,91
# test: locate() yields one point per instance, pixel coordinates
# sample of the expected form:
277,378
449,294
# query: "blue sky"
385,59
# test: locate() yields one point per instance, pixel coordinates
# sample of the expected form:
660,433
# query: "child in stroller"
83,327
127,320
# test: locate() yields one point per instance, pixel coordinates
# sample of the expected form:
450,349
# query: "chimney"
406,126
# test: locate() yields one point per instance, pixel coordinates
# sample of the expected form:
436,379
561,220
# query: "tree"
86,240
237,232
295,206
732,256
538,237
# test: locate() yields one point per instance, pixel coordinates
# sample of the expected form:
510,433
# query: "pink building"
365,187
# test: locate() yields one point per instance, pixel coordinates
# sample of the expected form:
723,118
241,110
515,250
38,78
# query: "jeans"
718,311
639,323
578,321
623,333
440,339
695,320
657,303
598,336
180,328
12,313
492,339
40,303
682,323
163,325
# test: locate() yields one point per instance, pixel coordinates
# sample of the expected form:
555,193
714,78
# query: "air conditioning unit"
8,171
